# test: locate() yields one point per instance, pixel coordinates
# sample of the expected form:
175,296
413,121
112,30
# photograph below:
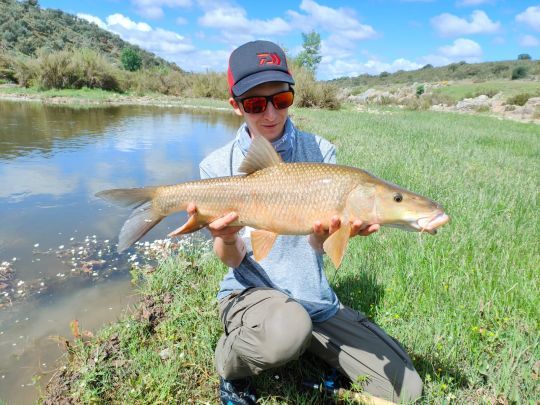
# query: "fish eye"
398,197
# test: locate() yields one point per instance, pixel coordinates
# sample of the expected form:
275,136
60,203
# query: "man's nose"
270,113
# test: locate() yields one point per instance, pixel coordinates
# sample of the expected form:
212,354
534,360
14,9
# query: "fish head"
400,208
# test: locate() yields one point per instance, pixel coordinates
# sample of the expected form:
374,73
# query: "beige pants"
264,328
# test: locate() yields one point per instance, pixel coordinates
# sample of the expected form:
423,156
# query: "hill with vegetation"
487,71
26,28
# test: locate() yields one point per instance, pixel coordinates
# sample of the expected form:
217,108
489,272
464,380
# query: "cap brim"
249,82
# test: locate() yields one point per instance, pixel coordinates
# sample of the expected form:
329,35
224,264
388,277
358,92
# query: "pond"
57,240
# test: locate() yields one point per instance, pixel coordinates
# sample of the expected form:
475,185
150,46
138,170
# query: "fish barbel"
278,198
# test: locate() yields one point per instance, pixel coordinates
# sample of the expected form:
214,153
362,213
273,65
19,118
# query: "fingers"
191,209
358,228
335,224
223,222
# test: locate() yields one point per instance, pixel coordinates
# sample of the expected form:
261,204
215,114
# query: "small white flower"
61,247
36,245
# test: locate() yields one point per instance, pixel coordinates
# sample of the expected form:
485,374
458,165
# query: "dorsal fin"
261,154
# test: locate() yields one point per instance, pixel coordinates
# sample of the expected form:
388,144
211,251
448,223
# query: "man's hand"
220,227
228,246
320,234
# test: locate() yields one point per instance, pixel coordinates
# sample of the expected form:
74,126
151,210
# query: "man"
274,310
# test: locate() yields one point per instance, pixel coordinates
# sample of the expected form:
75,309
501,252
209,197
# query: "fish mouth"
430,224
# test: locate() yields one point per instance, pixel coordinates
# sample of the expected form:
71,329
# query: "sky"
363,36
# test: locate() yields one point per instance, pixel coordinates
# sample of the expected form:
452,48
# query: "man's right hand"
227,245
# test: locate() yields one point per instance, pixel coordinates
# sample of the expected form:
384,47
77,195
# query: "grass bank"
464,303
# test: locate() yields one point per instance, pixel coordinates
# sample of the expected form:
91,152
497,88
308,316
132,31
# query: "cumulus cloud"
530,17
461,49
154,8
90,18
449,25
528,41
332,68
235,27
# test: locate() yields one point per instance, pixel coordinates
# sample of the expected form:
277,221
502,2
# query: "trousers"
265,328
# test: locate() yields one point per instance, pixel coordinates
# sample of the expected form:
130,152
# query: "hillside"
25,28
454,72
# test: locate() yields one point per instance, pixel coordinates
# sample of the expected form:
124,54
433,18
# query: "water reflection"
53,160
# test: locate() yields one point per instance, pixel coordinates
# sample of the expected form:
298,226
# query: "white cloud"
167,44
531,17
181,21
461,49
332,68
235,27
528,41
469,3
154,8
338,21
90,18
449,25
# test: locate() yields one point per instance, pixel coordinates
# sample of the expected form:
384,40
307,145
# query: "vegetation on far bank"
464,303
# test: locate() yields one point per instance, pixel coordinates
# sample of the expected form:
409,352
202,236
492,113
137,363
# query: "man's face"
271,122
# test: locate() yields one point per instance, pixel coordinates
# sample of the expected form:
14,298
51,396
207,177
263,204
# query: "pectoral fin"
194,223
262,242
336,244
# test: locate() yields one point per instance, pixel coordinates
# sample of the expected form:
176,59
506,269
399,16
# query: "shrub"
7,71
524,56
519,99
25,70
420,90
131,60
519,72
209,84
92,70
310,93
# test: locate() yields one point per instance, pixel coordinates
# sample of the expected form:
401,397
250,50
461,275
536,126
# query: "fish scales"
285,198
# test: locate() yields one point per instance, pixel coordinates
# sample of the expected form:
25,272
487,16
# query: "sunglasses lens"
283,100
254,105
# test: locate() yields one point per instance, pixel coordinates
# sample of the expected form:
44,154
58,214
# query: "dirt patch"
152,312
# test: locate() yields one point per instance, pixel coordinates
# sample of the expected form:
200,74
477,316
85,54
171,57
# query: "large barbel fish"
278,198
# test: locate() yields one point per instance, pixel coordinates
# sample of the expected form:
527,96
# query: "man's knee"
288,333
412,387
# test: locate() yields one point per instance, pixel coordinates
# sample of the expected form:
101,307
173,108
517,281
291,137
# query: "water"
52,162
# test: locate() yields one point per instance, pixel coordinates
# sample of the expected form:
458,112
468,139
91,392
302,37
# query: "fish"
278,198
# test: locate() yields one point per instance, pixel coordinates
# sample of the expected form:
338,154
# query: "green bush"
519,72
524,56
209,84
25,70
92,70
310,93
519,99
420,90
7,71
131,60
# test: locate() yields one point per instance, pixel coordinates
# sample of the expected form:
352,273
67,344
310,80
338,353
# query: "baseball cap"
255,63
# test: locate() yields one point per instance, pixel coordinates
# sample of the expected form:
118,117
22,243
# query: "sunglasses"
258,104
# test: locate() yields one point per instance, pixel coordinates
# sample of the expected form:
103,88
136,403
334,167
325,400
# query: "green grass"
84,93
464,303
509,88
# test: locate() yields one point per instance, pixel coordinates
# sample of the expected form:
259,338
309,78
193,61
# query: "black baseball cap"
255,63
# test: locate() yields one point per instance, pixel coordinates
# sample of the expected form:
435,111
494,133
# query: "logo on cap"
269,59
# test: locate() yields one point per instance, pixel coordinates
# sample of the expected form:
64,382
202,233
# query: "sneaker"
236,392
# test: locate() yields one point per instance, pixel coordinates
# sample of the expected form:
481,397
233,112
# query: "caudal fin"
142,219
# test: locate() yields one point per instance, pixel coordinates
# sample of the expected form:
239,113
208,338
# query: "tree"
524,56
131,60
310,56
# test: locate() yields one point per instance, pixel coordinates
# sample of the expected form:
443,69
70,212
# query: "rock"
165,354
474,104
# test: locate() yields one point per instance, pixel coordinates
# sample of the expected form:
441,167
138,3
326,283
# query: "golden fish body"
286,198
280,198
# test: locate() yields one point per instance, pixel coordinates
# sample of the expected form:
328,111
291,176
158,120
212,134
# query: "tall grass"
464,303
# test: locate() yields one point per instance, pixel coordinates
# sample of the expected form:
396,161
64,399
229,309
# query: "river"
52,161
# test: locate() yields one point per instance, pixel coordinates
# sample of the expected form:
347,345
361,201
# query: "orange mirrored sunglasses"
258,104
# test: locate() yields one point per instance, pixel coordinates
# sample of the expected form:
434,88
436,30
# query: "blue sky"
364,36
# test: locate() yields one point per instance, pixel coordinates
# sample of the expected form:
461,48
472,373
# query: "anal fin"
336,244
262,242
194,223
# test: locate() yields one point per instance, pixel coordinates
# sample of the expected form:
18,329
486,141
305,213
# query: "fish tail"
143,217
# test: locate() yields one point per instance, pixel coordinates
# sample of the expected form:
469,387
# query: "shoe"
236,392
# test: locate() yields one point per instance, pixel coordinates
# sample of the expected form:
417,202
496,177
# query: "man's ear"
235,106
